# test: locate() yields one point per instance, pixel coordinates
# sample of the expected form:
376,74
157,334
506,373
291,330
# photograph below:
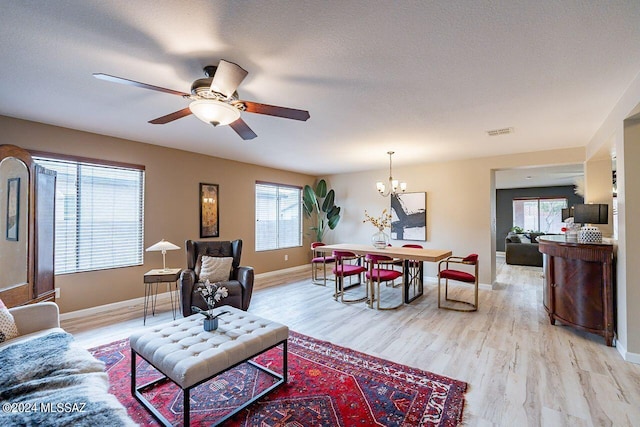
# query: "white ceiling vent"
497,132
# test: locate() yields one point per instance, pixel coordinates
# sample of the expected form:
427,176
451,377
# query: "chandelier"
393,185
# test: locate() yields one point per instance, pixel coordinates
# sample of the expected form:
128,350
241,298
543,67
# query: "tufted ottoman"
188,355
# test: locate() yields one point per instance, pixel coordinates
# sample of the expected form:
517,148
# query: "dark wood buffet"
579,285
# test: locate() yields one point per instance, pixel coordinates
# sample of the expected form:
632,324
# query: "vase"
380,239
210,324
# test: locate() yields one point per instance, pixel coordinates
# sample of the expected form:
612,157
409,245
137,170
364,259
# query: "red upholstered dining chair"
320,259
379,271
447,273
348,264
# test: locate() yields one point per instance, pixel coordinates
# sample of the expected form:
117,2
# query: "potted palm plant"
321,202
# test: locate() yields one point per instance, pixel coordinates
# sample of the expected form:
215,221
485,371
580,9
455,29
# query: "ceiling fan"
214,99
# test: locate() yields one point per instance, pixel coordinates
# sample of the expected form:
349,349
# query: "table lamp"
163,246
596,213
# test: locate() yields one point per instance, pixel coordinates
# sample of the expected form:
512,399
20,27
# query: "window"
278,216
99,215
543,215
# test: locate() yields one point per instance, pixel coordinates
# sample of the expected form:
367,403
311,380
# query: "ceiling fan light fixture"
214,112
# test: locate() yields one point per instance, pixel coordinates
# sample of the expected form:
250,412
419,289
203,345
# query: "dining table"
413,260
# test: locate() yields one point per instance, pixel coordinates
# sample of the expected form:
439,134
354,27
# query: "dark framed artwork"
409,216
13,208
209,223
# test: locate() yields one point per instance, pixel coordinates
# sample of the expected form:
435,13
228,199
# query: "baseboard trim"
269,274
163,296
295,269
108,307
627,356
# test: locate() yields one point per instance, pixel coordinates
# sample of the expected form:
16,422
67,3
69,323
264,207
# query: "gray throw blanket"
48,381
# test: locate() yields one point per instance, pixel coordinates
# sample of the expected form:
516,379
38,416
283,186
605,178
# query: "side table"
152,279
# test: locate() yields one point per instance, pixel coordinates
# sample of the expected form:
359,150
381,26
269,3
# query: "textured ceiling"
426,79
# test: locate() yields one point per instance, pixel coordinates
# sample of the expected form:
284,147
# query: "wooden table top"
430,255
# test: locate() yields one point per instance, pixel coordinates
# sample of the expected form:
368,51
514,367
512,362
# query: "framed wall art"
13,208
409,216
209,221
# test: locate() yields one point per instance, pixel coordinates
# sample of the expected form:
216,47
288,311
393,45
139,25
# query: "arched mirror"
14,222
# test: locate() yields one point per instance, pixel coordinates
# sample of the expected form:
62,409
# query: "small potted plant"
516,230
211,293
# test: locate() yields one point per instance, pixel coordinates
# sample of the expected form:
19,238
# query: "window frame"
91,162
278,246
538,200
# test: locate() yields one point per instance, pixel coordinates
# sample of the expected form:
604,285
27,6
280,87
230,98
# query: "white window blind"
99,215
278,216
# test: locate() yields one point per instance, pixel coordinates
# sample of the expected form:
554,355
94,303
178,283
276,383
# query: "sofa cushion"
524,238
215,269
513,239
8,328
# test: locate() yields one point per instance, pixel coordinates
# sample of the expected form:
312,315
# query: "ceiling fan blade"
171,117
115,79
242,129
272,110
227,78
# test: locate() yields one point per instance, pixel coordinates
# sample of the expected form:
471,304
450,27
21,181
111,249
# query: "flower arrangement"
211,293
381,222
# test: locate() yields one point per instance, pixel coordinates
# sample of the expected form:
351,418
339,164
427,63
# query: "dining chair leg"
351,301
380,297
472,306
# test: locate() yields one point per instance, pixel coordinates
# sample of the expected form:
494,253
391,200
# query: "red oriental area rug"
328,385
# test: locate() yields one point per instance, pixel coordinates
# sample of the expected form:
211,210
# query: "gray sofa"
522,249
48,380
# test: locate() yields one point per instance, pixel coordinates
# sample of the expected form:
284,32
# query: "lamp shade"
163,246
214,112
596,213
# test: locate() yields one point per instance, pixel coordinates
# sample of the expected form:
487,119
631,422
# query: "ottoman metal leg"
136,391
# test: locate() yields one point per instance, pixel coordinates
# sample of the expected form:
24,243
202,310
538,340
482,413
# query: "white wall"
623,128
599,187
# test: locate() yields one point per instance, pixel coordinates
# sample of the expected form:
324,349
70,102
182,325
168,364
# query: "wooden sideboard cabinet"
578,284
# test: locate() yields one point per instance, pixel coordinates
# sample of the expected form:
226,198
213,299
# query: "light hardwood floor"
521,370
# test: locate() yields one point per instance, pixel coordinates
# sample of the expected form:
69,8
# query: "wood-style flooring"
521,370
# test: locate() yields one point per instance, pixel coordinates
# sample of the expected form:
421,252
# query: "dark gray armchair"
239,285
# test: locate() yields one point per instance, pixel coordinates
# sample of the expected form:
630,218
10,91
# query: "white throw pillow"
216,269
8,329
524,238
